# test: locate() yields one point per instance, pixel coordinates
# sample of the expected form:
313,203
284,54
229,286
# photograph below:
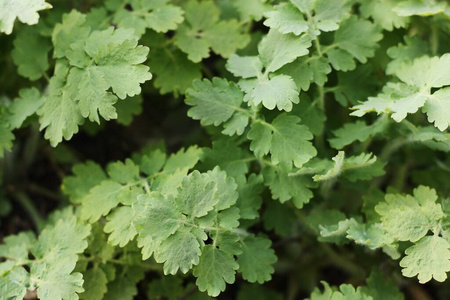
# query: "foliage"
237,149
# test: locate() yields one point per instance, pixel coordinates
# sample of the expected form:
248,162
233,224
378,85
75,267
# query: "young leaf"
157,15
203,30
410,218
24,10
31,64
215,269
255,261
282,138
414,93
429,258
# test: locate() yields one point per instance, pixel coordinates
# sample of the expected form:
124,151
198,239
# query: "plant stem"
342,262
142,265
337,259
43,192
434,39
392,147
31,210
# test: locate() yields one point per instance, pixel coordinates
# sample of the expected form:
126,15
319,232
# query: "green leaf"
151,162
244,66
311,115
279,91
345,292
379,287
164,63
437,109
318,295
155,216
157,15
279,218
125,287
348,292
335,170
382,12
429,258
31,64
6,139
180,250
334,232
124,173
17,247
362,167
321,15
200,193
215,269
357,131
372,236
56,254
71,30
214,102
14,280
414,93
203,30
104,197
59,114
86,176
355,86
307,70
255,261
120,226
108,48
285,187
276,49
414,47
24,10
409,218
415,7
355,38
251,9
431,137
228,156
23,107
250,199
287,19
282,139
183,159
170,287
95,282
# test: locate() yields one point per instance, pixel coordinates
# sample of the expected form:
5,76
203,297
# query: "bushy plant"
241,149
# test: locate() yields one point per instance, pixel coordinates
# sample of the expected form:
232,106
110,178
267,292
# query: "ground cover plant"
239,149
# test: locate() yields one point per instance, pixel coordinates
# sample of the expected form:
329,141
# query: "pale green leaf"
24,10
279,91
382,12
276,49
287,19
213,102
409,218
120,226
429,258
23,107
421,8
